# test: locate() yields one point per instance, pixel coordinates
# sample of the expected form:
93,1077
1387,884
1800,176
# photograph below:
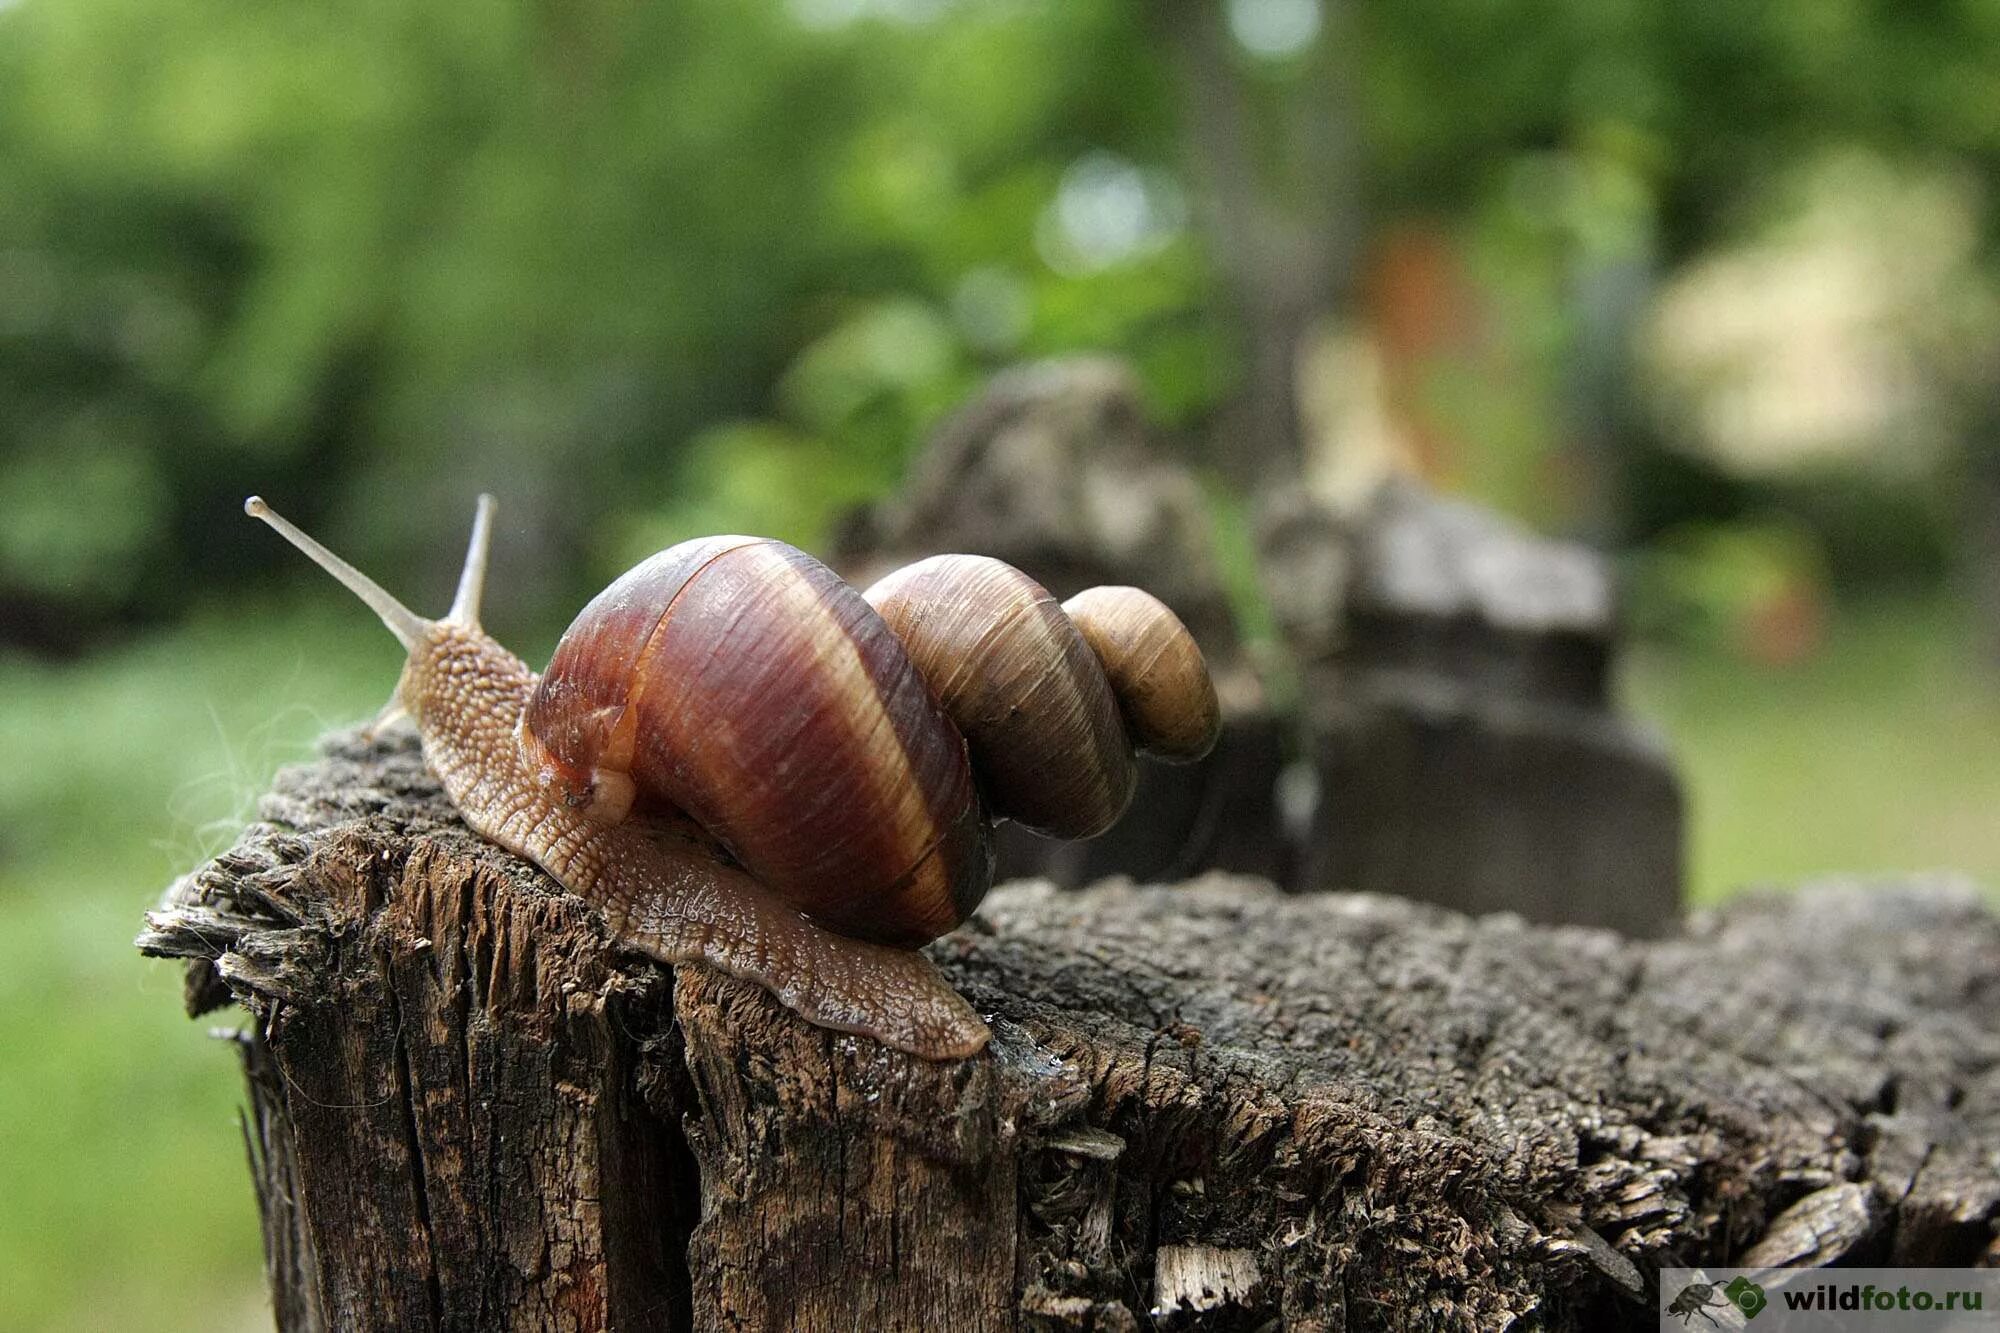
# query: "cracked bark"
1208,1105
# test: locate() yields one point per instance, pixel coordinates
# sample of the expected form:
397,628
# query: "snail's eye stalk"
409,628
472,581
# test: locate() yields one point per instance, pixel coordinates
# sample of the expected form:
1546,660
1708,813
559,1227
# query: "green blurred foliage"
125,1203
1874,754
368,258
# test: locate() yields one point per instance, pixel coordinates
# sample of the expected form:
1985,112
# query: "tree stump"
1205,1106
1468,747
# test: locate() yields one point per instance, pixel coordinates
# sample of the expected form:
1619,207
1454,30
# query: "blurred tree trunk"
1276,164
1611,293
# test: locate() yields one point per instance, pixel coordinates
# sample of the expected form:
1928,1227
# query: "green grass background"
125,1202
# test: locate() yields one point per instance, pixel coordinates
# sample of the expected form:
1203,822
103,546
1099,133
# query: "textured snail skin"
1155,668
740,681
661,890
1021,683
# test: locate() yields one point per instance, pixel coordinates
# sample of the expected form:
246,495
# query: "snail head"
422,639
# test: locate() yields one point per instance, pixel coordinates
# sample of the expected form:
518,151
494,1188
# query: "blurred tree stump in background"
1467,744
1213,1102
1455,738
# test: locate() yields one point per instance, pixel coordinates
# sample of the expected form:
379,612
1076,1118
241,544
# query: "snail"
741,759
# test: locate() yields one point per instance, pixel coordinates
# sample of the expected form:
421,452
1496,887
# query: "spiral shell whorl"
1155,668
1013,673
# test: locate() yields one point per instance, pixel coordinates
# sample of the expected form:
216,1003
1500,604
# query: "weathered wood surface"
1204,1106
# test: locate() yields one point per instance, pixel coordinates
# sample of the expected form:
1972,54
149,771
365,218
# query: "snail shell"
1022,684
1154,667
740,681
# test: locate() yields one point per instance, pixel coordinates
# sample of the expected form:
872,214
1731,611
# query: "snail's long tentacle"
408,627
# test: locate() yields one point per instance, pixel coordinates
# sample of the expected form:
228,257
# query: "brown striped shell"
1023,686
847,749
740,681
1052,699
1154,667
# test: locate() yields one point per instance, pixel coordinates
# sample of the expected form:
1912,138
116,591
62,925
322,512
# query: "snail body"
741,759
